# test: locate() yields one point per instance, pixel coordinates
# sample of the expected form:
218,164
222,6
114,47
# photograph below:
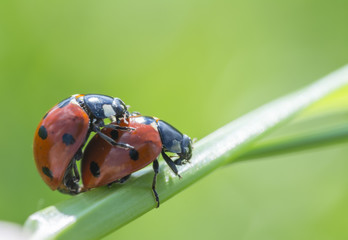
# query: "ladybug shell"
103,164
58,137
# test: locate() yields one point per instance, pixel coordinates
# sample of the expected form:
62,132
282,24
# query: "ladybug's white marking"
108,110
154,125
140,120
176,146
73,101
125,118
93,99
112,118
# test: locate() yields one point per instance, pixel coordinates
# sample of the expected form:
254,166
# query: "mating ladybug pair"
127,144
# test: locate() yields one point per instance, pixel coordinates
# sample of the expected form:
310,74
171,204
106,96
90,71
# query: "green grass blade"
290,144
322,124
96,213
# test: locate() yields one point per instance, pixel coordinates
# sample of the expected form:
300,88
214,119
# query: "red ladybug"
63,131
103,164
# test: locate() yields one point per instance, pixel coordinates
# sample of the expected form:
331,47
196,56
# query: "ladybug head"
120,108
186,148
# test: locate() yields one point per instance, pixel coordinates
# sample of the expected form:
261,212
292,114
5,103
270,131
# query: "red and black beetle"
103,164
63,131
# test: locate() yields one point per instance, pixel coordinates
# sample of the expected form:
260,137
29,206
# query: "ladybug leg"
100,124
78,154
178,161
77,157
119,127
170,163
110,140
70,180
181,161
76,172
122,180
110,184
155,166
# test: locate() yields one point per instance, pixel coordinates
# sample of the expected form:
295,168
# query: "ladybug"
103,164
63,131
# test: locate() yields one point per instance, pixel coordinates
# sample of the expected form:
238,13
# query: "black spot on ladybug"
42,132
68,139
134,155
95,170
64,103
47,172
45,115
114,134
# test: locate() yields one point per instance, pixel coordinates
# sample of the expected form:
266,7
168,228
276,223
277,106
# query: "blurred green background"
198,65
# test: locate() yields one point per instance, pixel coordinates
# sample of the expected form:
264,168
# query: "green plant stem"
109,209
295,143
